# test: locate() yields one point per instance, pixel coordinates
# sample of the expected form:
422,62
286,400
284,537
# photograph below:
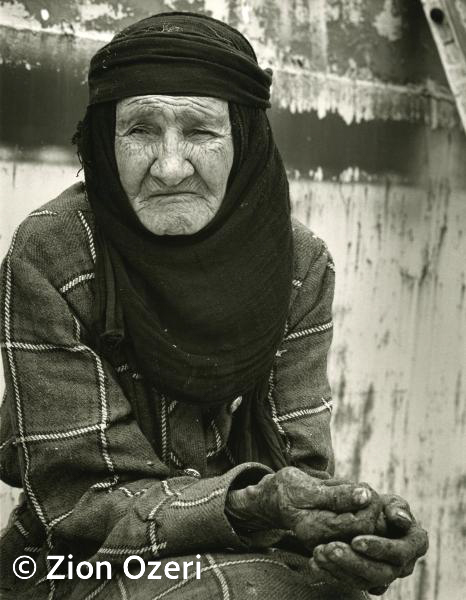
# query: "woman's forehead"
198,107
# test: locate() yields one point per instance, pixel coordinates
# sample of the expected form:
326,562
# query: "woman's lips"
166,198
181,193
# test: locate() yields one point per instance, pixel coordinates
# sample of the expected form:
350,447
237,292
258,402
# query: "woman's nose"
171,166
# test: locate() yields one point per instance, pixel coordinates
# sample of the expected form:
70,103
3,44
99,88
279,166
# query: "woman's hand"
373,562
316,510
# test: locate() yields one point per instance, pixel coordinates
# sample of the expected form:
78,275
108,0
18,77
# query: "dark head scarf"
201,316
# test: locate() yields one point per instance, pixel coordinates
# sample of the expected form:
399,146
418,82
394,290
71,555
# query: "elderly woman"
165,330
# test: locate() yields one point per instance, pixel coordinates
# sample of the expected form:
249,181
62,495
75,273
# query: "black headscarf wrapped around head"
194,55
200,315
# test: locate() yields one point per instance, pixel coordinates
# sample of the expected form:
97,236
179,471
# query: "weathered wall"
371,139
447,20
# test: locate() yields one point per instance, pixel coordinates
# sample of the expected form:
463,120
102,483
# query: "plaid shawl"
94,485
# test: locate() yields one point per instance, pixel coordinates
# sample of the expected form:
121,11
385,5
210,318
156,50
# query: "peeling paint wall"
447,22
399,354
375,154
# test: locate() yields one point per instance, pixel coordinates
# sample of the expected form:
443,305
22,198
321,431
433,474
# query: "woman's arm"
300,398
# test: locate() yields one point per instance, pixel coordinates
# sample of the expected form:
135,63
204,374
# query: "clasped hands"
356,537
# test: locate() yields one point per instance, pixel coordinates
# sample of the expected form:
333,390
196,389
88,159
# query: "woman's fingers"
340,558
378,591
321,574
408,569
306,492
400,551
346,497
320,526
397,512
321,562
337,481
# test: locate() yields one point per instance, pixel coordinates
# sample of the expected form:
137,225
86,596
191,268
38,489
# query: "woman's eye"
201,132
137,130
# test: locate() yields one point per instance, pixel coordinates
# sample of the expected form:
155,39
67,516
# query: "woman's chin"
173,224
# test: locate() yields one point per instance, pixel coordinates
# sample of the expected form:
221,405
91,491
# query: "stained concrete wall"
371,138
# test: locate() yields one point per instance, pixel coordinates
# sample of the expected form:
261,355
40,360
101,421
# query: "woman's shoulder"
54,227
313,279
73,198
57,239
309,252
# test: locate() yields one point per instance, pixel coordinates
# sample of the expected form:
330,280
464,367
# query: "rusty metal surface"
447,21
322,52
372,141
334,35
399,355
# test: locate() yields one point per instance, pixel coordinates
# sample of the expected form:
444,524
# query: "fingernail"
362,495
338,552
322,557
403,515
361,546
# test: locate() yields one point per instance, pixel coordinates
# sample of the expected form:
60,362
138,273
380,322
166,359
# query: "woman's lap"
273,575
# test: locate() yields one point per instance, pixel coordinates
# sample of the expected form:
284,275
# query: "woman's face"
174,155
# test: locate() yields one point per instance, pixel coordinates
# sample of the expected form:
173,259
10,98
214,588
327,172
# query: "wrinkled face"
174,155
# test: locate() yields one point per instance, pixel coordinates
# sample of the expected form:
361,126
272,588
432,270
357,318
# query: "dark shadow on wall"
41,107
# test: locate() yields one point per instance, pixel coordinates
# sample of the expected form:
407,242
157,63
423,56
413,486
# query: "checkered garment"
94,485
